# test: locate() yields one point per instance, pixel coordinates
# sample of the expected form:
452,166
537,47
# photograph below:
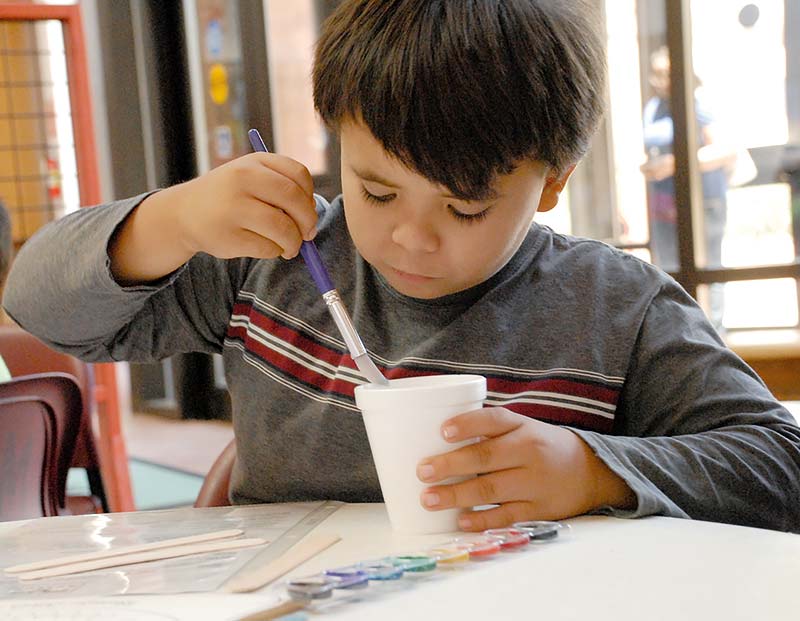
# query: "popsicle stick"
274,612
141,547
309,547
141,557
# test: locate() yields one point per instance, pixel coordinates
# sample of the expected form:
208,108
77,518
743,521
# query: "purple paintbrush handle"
315,266
307,249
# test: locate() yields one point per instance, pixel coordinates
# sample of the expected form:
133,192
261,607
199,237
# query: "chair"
40,417
24,354
216,486
26,453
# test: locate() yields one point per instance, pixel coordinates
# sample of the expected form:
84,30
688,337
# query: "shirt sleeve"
703,109
61,289
697,432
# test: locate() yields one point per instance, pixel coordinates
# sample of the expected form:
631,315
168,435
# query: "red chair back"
216,486
40,417
26,457
24,354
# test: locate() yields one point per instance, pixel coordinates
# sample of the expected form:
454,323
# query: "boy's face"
422,240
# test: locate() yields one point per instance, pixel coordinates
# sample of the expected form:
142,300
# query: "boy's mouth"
411,277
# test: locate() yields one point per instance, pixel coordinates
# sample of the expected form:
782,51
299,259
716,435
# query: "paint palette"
447,555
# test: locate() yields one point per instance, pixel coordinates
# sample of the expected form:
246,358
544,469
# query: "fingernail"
464,522
311,234
425,472
449,431
430,499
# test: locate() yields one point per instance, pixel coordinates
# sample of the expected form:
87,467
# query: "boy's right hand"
259,205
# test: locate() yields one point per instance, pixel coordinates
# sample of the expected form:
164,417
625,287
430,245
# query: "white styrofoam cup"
403,424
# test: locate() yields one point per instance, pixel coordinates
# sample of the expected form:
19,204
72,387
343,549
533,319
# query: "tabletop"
606,568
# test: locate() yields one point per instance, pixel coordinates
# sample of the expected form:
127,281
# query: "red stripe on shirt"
558,385
503,387
558,415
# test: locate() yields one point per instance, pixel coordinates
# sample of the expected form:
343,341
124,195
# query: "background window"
744,216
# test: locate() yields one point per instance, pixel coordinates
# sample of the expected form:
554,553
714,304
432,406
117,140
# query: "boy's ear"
552,189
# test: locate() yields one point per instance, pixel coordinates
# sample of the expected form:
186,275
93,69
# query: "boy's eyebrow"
366,175
487,195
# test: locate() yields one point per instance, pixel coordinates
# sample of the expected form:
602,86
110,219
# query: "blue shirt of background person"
659,138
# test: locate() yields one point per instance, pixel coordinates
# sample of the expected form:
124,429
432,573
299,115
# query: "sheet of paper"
137,608
49,537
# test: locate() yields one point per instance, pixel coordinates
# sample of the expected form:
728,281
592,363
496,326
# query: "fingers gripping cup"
403,422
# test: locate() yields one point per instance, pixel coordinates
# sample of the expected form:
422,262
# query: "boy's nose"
415,236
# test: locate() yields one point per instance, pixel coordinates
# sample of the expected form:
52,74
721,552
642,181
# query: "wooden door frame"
113,452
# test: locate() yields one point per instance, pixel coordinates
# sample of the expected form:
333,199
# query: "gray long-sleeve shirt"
570,331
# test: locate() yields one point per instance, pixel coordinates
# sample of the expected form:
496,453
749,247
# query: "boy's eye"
373,198
470,218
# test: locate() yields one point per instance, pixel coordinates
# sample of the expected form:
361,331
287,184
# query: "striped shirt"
570,331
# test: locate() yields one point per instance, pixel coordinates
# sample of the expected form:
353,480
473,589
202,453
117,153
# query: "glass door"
739,252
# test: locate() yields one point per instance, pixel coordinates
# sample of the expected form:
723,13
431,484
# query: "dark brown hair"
463,90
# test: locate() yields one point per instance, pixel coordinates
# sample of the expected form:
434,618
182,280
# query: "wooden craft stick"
141,557
142,547
304,550
279,610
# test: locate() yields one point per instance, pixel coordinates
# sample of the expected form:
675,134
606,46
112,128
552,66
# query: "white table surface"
647,569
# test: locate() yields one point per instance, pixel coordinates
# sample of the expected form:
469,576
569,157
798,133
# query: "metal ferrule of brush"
344,323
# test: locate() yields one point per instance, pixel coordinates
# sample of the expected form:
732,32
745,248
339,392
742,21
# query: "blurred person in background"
715,159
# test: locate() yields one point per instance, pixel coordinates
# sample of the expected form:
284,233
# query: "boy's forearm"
148,245
612,490
608,488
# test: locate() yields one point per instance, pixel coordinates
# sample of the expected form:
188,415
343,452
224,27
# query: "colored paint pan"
414,563
510,538
543,531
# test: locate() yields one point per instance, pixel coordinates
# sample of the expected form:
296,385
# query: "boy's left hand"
532,470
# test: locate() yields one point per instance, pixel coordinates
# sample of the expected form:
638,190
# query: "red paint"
509,538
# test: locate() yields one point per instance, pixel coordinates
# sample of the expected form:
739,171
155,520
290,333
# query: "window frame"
688,194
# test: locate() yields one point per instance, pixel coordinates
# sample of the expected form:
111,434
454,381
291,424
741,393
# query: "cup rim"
431,390
417,383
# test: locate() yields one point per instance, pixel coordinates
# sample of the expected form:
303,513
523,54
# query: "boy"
608,389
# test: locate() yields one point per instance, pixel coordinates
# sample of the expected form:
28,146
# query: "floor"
168,459
186,445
